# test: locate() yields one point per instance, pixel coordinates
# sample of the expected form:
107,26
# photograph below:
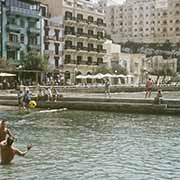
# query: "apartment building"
20,29
84,35
144,21
53,42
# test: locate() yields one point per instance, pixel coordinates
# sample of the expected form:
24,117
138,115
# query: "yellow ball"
32,104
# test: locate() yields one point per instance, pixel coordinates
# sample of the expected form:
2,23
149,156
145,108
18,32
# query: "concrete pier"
113,104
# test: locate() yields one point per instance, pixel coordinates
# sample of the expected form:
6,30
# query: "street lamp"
2,4
75,70
19,73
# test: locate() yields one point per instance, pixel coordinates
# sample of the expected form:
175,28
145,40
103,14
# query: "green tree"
103,69
34,61
3,63
118,69
164,71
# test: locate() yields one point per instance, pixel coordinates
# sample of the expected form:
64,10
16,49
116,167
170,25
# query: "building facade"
113,52
20,29
84,35
53,42
144,21
133,63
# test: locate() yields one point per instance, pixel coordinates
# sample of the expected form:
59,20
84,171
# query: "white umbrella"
107,75
121,76
88,76
79,76
7,74
130,76
99,76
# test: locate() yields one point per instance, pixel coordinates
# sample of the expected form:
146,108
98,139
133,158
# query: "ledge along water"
127,105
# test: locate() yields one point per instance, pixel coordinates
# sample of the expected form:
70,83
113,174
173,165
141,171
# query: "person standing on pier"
149,86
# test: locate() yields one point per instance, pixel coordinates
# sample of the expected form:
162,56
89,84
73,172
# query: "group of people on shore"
148,90
24,97
7,151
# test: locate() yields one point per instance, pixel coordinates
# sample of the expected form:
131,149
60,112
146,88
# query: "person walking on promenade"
149,86
107,88
4,131
8,152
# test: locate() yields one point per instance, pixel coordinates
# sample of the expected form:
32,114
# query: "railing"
24,12
69,33
69,18
70,47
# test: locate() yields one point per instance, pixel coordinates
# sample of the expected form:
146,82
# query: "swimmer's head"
3,123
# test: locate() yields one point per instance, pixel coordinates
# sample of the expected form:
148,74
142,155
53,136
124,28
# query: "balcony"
70,20
82,21
17,11
92,51
34,47
69,34
92,37
101,38
82,35
13,28
92,23
69,61
101,24
82,49
34,30
14,45
101,51
70,48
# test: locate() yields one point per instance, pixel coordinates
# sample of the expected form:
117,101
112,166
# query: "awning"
7,75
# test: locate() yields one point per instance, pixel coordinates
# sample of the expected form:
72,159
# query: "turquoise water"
77,145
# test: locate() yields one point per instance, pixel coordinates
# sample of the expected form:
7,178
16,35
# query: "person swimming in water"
8,152
4,131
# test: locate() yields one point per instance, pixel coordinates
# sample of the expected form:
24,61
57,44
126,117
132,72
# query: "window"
56,34
90,19
89,62
46,46
67,59
79,30
22,38
22,23
79,17
79,45
13,38
90,47
56,62
99,61
68,15
56,48
79,60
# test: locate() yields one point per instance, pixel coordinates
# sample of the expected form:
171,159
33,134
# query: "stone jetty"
126,105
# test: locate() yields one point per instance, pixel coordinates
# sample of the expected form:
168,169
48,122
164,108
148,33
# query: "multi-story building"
113,52
20,29
144,21
84,35
133,63
53,42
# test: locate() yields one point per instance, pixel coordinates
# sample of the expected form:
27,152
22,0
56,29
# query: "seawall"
127,105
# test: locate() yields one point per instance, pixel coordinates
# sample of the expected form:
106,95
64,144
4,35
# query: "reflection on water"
76,145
